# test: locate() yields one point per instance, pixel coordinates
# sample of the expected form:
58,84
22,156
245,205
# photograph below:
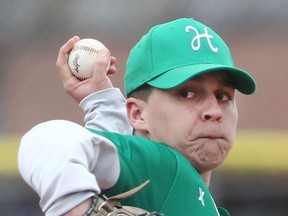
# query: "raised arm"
103,105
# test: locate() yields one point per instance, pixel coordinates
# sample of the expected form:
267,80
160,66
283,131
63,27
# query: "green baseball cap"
174,52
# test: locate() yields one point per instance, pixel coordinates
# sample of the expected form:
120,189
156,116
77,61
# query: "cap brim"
242,80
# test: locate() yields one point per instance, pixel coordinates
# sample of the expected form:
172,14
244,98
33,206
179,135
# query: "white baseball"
82,57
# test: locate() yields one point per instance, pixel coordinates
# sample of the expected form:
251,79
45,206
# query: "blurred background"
253,180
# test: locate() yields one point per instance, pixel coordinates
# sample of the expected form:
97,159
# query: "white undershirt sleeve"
66,164
106,111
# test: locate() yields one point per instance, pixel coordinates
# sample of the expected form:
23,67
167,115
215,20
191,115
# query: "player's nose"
211,110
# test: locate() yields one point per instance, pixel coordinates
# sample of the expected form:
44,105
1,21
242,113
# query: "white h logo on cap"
196,41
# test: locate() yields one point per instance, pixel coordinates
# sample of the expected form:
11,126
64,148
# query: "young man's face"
198,119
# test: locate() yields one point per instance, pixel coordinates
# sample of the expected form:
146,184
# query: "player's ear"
136,114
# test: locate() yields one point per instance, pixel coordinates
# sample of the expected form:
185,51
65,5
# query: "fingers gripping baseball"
77,88
61,63
101,69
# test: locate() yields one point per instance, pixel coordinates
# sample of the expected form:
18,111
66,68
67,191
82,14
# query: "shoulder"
137,145
137,152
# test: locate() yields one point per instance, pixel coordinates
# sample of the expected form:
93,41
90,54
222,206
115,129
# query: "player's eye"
223,97
187,94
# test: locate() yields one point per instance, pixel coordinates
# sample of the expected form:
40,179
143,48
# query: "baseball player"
180,84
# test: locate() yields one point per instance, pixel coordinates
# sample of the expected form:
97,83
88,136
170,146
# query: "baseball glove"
103,206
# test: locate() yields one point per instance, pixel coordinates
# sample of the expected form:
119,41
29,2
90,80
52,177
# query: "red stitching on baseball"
85,48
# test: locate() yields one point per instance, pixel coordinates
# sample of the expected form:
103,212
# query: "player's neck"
206,176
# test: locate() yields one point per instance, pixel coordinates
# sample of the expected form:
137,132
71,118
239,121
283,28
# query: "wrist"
81,209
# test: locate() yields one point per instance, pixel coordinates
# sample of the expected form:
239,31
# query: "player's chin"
207,162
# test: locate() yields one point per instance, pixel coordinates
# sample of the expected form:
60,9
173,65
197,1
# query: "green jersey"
175,188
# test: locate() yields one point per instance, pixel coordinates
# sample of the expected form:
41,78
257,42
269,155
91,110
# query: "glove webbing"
103,206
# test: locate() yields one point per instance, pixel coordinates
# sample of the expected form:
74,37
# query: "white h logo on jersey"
196,41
